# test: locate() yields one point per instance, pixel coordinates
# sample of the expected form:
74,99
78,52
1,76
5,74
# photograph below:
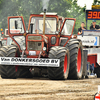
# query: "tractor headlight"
44,48
53,40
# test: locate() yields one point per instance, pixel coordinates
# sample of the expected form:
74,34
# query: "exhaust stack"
44,17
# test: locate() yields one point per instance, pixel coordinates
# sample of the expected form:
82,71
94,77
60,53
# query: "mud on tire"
62,71
76,59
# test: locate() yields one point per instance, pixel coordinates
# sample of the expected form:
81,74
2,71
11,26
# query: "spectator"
94,26
81,28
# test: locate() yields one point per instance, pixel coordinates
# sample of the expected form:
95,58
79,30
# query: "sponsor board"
89,40
91,32
15,31
30,61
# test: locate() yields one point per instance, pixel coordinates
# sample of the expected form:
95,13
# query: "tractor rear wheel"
3,53
11,71
14,44
76,59
62,71
22,72
8,71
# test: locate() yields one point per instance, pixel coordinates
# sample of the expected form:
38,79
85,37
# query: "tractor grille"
34,45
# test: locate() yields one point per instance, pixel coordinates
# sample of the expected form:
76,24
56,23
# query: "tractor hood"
36,45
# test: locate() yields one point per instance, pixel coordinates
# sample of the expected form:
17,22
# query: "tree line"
65,8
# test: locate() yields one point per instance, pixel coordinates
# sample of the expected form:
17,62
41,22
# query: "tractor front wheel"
62,71
76,59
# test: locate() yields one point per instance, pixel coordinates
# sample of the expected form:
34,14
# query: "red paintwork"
92,59
79,60
16,66
49,45
49,38
11,35
34,40
37,15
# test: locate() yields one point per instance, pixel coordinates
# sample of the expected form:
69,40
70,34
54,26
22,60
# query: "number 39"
93,15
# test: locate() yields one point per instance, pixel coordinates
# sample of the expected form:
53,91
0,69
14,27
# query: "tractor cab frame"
34,41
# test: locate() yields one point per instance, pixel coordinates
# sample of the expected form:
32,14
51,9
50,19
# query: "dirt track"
44,89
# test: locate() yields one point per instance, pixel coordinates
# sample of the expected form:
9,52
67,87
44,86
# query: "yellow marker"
1,29
58,36
24,34
95,6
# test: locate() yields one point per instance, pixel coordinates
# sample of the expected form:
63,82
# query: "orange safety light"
1,29
24,34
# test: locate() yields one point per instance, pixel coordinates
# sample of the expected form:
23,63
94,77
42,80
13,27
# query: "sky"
87,2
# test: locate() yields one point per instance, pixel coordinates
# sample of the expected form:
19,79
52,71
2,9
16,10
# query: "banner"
30,61
89,40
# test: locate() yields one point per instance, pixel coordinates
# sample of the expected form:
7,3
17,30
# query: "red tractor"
5,39
46,49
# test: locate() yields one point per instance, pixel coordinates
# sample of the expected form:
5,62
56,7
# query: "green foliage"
61,7
96,2
65,8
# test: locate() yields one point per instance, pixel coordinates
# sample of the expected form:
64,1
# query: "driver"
94,26
47,30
